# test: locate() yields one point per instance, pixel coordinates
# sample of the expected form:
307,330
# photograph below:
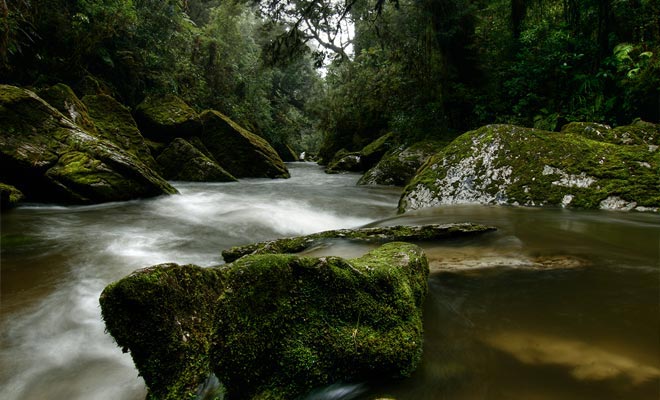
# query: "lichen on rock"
272,326
505,164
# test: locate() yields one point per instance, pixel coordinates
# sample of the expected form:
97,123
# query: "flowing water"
554,305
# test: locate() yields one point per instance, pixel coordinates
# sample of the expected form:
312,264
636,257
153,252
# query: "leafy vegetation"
423,69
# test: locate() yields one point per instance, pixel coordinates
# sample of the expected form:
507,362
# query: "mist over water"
555,304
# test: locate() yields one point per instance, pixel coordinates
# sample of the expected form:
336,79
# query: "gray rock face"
505,164
49,158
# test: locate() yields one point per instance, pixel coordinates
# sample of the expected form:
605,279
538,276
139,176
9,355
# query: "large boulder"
345,161
271,326
181,161
242,153
49,158
162,118
398,166
115,123
505,164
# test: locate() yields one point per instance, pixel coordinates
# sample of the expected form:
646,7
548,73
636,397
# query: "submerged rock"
272,326
399,166
181,161
49,158
376,234
242,153
505,164
162,118
345,161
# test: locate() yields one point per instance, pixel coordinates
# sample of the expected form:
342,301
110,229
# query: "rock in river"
272,325
506,164
240,152
50,159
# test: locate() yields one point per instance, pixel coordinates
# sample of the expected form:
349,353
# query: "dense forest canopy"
418,68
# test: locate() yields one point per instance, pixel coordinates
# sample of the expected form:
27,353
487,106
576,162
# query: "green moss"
272,326
65,101
164,314
513,165
115,123
376,234
242,153
9,196
298,323
399,165
181,161
163,118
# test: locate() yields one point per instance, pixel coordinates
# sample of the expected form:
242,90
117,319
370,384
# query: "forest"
477,216
320,75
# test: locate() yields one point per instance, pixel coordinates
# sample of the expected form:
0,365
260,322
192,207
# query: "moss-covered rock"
374,151
115,123
504,164
345,161
369,235
399,165
162,118
637,133
272,326
49,158
181,161
9,197
65,101
241,153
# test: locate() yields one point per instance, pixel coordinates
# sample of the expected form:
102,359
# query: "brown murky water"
554,305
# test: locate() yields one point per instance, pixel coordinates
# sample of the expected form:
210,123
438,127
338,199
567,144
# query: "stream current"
556,304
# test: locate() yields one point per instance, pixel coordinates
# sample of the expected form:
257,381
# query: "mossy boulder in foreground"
49,158
241,153
272,326
505,164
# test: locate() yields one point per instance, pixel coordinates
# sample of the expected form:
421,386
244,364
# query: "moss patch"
504,164
399,165
9,196
115,123
163,118
183,162
65,101
272,326
242,153
376,234
49,158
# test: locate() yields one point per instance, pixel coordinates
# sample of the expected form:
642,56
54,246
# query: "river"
556,304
